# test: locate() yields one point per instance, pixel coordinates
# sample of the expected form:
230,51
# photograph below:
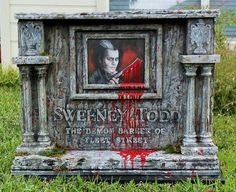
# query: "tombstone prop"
124,95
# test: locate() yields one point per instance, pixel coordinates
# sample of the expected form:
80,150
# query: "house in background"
120,5
8,8
8,23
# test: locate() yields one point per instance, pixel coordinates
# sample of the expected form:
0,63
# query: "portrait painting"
115,61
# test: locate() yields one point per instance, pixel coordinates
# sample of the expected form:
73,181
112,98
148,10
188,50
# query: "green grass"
9,77
10,138
225,84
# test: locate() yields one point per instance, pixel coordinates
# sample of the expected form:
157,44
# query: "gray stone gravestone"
124,95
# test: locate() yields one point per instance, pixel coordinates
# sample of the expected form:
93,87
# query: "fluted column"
26,104
189,132
43,136
205,129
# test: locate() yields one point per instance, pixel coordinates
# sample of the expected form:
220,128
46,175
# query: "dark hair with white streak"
99,52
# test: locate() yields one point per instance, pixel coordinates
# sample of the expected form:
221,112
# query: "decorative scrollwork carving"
31,38
201,35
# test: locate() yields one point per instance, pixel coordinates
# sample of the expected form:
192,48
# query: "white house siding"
8,23
153,4
121,5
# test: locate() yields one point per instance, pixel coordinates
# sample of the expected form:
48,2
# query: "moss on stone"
22,154
61,168
54,152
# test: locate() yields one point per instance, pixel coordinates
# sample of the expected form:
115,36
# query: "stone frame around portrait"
79,36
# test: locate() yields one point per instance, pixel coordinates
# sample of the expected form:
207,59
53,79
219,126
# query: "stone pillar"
43,136
205,136
26,104
190,132
204,144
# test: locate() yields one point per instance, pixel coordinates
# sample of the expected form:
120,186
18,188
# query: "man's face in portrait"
110,61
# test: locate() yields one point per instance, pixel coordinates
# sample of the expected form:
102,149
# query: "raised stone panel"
114,91
31,38
200,38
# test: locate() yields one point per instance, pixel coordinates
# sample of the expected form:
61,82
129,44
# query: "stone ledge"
138,14
32,60
199,150
199,59
110,160
32,149
206,176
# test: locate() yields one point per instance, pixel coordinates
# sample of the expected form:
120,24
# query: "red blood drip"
193,175
169,174
130,115
133,154
129,97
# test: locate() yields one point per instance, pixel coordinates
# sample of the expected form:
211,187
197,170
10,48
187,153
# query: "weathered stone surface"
158,165
104,160
119,130
31,38
200,149
200,35
142,14
21,60
198,59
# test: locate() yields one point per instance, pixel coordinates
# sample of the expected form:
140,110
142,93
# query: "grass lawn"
10,138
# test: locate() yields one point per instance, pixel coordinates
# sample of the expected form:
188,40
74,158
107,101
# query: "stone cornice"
33,60
137,14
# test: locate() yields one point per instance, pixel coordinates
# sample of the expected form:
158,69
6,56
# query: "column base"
44,139
199,149
190,140
206,139
28,138
32,149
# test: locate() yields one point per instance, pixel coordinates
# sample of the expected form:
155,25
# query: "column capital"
190,70
25,72
41,70
206,70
